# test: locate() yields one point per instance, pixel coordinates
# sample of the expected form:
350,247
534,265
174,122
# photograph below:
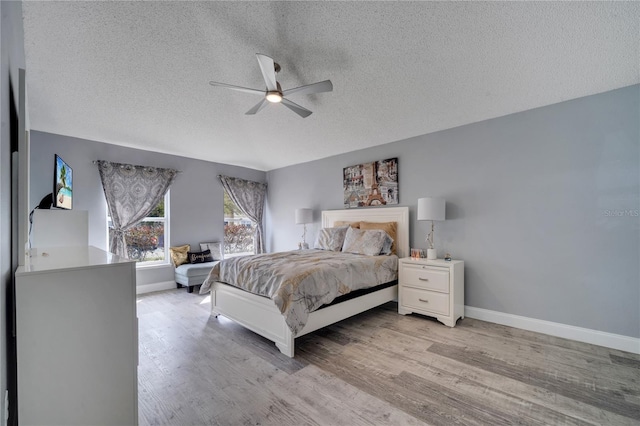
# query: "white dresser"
432,287
77,338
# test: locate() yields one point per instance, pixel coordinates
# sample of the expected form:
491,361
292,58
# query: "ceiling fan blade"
322,86
238,88
268,71
257,107
302,112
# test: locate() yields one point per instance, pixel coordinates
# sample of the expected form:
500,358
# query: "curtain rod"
177,171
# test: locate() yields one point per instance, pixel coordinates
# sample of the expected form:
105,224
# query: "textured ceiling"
136,73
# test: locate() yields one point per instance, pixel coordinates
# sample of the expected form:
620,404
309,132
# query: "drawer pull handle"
423,279
424,300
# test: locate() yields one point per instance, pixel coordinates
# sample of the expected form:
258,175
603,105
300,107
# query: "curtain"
249,196
131,193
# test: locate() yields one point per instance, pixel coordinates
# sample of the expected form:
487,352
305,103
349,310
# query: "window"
239,230
147,242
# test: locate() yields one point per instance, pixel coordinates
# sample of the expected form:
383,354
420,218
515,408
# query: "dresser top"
59,258
434,262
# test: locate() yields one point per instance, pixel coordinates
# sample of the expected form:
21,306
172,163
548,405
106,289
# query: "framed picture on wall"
371,184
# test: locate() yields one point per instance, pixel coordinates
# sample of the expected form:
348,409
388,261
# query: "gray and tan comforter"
301,281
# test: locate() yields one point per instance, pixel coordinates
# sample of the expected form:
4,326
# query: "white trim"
594,337
148,288
152,265
147,264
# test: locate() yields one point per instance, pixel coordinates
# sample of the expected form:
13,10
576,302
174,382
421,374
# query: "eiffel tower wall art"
371,184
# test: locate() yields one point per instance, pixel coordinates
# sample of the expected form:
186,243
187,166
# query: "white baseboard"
148,288
595,337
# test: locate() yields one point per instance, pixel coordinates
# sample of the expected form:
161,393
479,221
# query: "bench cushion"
195,269
190,275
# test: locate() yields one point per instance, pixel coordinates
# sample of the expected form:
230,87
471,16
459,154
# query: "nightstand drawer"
426,277
423,300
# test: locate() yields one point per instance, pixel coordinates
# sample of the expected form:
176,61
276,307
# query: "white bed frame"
260,314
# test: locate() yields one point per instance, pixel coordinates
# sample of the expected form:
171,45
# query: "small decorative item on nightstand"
431,287
417,253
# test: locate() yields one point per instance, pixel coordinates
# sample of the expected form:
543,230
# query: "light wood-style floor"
376,368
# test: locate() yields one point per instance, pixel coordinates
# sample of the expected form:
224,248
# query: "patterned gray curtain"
249,196
131,193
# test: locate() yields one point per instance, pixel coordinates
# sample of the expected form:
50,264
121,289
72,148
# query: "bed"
261,315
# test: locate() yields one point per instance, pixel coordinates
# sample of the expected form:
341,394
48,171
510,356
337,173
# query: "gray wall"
11,58
196,208
541,205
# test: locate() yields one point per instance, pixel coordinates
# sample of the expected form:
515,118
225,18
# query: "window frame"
225,221
166,220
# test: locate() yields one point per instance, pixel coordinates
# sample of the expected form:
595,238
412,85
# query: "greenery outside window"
148,241
239,230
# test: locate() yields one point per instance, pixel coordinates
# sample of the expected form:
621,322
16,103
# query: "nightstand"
431,287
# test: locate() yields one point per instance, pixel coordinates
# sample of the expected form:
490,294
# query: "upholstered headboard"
382,214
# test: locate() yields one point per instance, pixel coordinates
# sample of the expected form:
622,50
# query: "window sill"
153,265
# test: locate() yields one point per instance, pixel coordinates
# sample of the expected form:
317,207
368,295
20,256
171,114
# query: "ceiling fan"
274,93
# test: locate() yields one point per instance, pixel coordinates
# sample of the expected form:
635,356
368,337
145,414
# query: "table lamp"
431,208
304,216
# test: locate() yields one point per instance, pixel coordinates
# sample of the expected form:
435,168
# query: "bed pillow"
215,248
387,245
331,238
371,242
179,254
390,228
346,222
199,256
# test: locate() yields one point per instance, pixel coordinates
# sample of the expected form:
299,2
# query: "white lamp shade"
431,208
304,216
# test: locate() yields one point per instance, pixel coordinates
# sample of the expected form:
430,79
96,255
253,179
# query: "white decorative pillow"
370,242
387,246
390,228
331,238
216,249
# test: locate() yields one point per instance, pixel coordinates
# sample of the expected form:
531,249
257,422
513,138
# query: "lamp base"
432,254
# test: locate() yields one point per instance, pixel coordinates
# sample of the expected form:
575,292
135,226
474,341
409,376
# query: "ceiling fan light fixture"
274,97
273,94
